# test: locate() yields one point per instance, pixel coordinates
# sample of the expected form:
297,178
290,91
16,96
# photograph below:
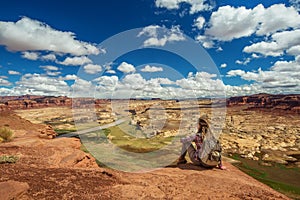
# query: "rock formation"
287,103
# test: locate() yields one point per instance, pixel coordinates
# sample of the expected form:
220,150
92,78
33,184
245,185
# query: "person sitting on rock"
195,154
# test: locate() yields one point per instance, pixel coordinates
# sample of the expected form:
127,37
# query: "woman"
198,139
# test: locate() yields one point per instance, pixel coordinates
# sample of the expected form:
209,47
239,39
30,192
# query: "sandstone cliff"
289,103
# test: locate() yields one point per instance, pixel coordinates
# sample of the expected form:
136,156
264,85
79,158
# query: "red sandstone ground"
58,169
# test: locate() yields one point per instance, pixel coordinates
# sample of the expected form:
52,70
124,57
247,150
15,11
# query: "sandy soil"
58,169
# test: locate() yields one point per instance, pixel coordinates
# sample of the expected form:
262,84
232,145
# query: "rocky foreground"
58,169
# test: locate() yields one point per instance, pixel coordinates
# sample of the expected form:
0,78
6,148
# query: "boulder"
13,189
47,133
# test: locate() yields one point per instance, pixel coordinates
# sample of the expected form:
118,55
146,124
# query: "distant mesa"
268,102
32,101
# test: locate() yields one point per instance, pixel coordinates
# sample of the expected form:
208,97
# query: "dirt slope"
58,169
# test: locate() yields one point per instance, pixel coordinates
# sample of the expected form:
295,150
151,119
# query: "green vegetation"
83,148
6,134
8,159
64,131
126,136
235,157
279,177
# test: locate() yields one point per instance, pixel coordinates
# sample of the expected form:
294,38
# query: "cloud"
244,90
136,86
283,77
4,82
223,65
286,66
76,61
149,68
295,4
244,62
202,84
83,88
199,22
239,62
110,81
294,50
6,91
49,57
207,42
196,5
134,81
49,68
275,18
41,85
225,25
265,48
70,77
108,68
160,36
30,55
106,86
11,72
126,68
32,35
255,55
162,81
51,73
92,69
131,86
37,55
244,75
228,23
110,71
280,42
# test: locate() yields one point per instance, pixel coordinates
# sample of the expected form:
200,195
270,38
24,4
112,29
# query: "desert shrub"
6,134
8,159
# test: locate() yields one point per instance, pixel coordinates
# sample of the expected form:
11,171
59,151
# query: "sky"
149,48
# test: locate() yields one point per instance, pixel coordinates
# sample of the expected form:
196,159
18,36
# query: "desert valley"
260,135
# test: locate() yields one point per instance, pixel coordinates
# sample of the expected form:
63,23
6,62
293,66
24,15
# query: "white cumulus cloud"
110,71
196,5
41,85
32,35
70,77
280,42
49,68
30,55
228,23
83,88
199,22
160,36
49,57
12,72
4,82
295,4
81,60
92,69
149,68
206,41
282,77
223,65
126,67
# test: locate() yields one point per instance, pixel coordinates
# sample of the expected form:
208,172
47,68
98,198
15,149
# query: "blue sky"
59,48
